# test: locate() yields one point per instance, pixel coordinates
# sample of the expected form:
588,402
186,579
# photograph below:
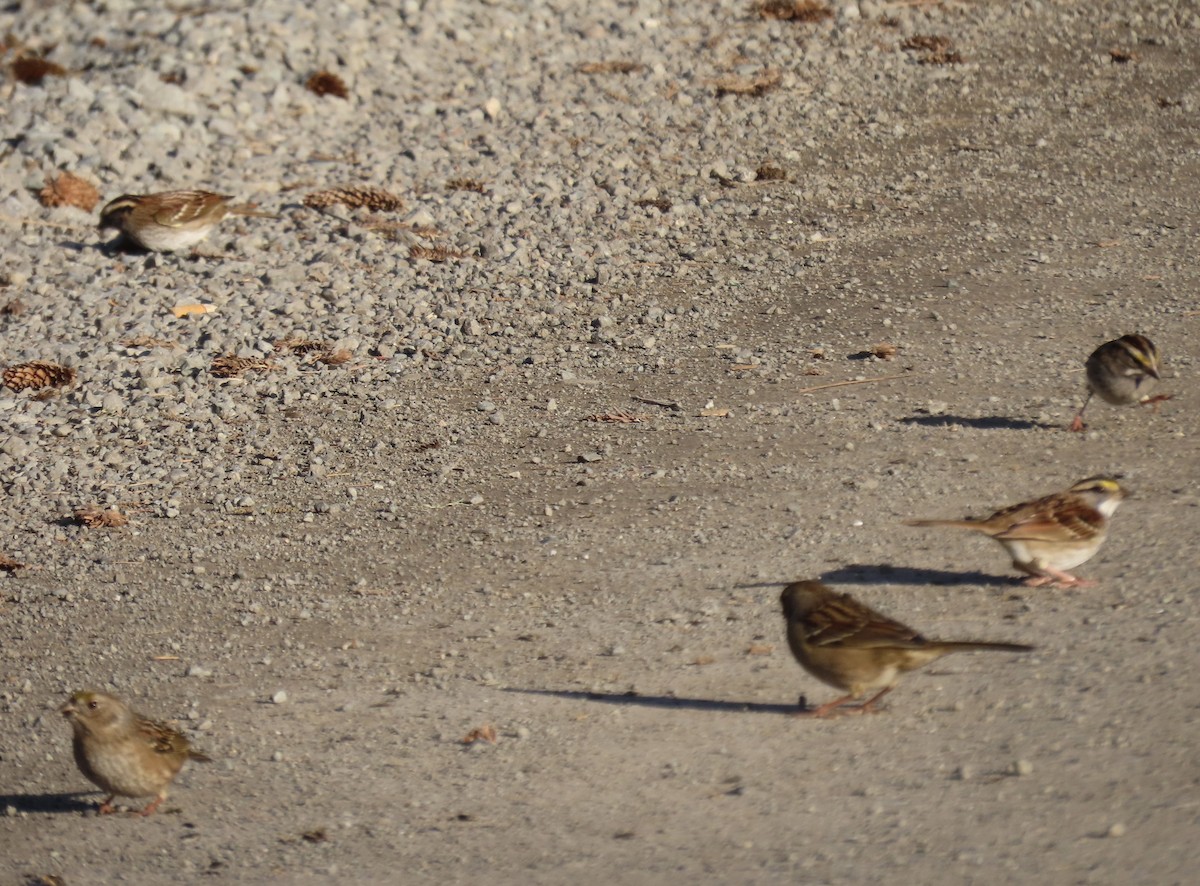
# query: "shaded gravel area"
577,430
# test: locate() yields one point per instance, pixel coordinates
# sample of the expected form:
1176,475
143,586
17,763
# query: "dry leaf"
935,49
712,412
927,43
766,173
661,204
435,253
703,660
13,308
760,649
335,358
610,67
884,351
483,733
316,835
8,564
32,70
465,184
326,83
94,517
619,417
230,366
296,345
758,85
355,196
185,310
68,189
794,10
38,374
743,367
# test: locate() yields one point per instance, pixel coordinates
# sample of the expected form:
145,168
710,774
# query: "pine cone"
368,196
93,517
38,374
326,83
67,189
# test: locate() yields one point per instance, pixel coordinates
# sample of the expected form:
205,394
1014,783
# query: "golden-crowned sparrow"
856,649
122,752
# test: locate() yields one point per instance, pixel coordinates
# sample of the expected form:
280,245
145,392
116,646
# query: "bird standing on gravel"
855,649
1048,536
1122,372
171,220
124,753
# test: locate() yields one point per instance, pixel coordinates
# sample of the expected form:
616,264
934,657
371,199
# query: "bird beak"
68,709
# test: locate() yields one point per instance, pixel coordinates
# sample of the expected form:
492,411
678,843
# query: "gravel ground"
567,448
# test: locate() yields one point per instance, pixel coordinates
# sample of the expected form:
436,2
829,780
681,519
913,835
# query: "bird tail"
250,210
987,646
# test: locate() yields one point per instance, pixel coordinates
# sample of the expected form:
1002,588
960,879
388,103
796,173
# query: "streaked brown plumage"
171,220
122,752
855,649
1053,534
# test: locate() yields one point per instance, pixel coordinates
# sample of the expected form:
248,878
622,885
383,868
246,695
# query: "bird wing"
845,623
1058,520
185,207
162,739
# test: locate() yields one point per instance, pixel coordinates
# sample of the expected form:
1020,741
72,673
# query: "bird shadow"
668,702
886,573
60,803
983,422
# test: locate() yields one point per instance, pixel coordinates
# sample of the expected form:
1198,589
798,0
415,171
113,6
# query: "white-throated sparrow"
171,220
122,752
1122,372
1051,535
855,649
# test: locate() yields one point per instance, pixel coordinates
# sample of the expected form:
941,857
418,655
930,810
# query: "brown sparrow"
1048,536
1122,372
171,220
122,752
856,649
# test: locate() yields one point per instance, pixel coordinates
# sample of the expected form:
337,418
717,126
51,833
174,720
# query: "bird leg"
153,805
1057,578
107,807
1155,400
1077,424
824,710
869,706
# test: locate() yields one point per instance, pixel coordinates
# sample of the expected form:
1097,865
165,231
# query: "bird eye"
92,705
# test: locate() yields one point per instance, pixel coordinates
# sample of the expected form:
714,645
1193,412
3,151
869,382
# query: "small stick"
839,384
674,404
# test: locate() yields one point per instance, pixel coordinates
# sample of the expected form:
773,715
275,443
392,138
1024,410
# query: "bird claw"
1077,426
1062,580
